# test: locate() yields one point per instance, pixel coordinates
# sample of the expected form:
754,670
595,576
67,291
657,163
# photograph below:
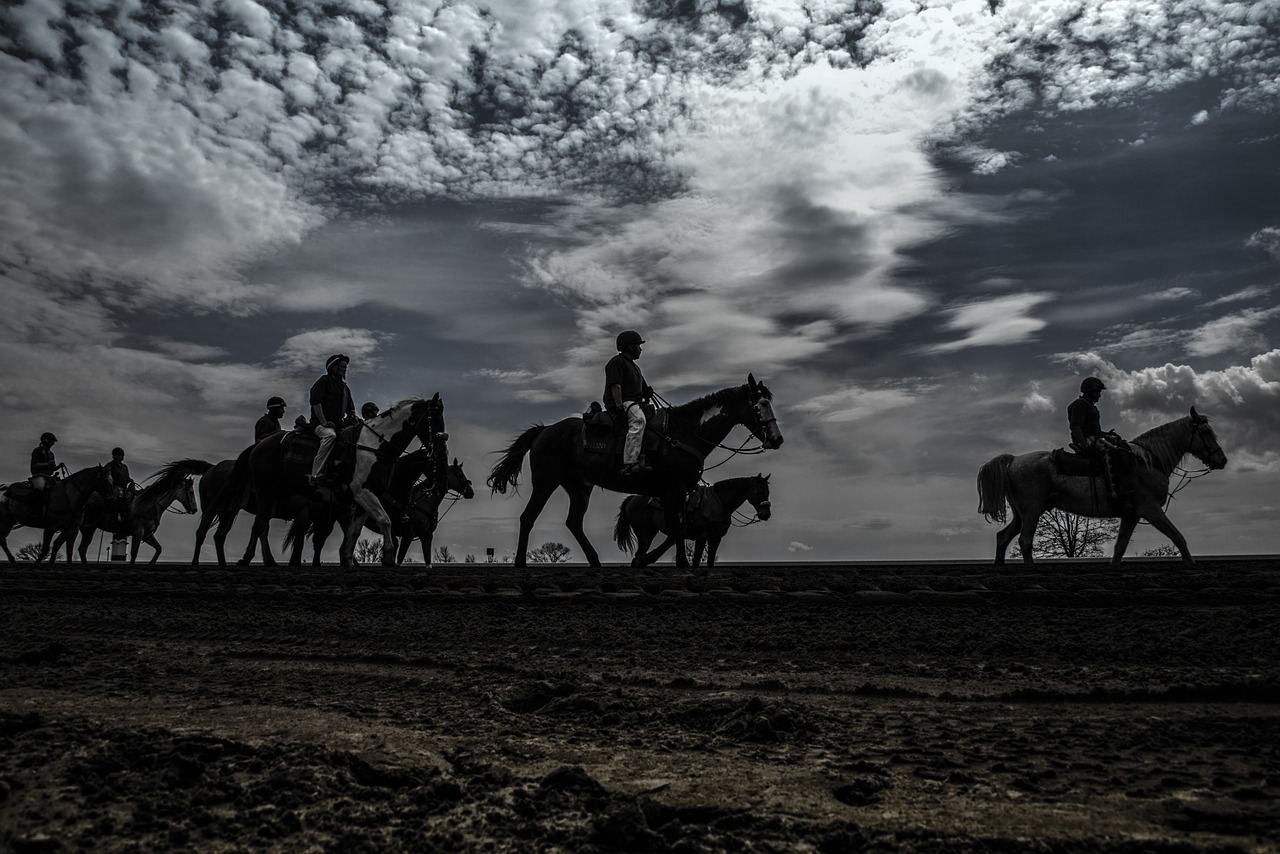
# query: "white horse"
1031,485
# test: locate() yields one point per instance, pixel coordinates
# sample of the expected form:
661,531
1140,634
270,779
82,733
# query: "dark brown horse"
557,460
641,518
222,506
379,441
146,508
413,501
64,509
1030,484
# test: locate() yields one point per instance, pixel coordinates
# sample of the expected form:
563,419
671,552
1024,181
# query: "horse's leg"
150,539
1027,536
713,546
1161,523
225,522
672,504
1127,524
135,545
5,528
371,505
579,499
538,500
1005,536
86,537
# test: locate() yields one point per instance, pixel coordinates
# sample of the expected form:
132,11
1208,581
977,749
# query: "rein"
733,452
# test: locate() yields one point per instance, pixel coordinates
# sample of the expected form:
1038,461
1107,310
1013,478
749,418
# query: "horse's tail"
993,488
623,535
507,471
298,530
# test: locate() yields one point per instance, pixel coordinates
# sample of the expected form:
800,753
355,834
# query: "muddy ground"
880,707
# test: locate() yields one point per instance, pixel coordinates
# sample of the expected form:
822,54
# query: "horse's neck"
708,420
407,471
1166,445
734,492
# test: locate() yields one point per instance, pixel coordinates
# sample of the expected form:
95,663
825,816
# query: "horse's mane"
716,397
166,479
1166,442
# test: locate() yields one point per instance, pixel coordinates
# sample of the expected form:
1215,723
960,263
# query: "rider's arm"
615,393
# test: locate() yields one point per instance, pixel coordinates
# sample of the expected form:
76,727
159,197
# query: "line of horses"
398,494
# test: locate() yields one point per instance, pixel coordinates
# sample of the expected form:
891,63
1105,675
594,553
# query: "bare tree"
443,555
1063,534
550,553
368,551
1166,550
469,559
30,552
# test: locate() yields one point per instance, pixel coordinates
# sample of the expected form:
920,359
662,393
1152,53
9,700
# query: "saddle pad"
1076,465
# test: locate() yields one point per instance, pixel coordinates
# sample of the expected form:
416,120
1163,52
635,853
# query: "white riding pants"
327,437
636,422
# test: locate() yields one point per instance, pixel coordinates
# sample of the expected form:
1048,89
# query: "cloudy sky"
921,223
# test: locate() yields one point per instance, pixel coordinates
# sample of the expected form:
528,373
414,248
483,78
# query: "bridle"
756,401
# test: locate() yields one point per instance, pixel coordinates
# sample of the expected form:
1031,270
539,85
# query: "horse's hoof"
242,562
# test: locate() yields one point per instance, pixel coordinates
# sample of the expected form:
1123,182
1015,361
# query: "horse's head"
759,417
102,483
758,495
187,496
414,417
457,481
1204,444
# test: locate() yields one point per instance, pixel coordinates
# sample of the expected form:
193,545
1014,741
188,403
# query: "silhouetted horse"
557,459
641,518
413,502
1031,485
378,442
223,506
146,509
64,508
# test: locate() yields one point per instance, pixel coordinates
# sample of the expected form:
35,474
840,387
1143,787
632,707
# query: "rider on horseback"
330,403
123,484
43,467
624,391
269,423
1088,438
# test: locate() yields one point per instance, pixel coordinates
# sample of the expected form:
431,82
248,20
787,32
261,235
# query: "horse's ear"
751,381
1196,416
455,461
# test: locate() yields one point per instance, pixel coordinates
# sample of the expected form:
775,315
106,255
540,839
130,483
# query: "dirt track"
889,707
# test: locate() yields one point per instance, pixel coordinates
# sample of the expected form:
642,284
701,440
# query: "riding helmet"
48,437
275,401
334,359
1091,383
117,452
626,339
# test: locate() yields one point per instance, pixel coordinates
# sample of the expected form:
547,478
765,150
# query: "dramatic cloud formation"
900,214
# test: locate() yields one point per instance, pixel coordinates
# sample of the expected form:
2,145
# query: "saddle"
605,432
299,446
1074,464
21,492
703,510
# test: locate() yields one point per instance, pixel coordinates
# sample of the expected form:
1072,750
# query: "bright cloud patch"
998,321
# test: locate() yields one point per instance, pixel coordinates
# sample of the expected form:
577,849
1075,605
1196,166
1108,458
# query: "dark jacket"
119,474
622,370
265,427
1084,420
334,398
42,461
